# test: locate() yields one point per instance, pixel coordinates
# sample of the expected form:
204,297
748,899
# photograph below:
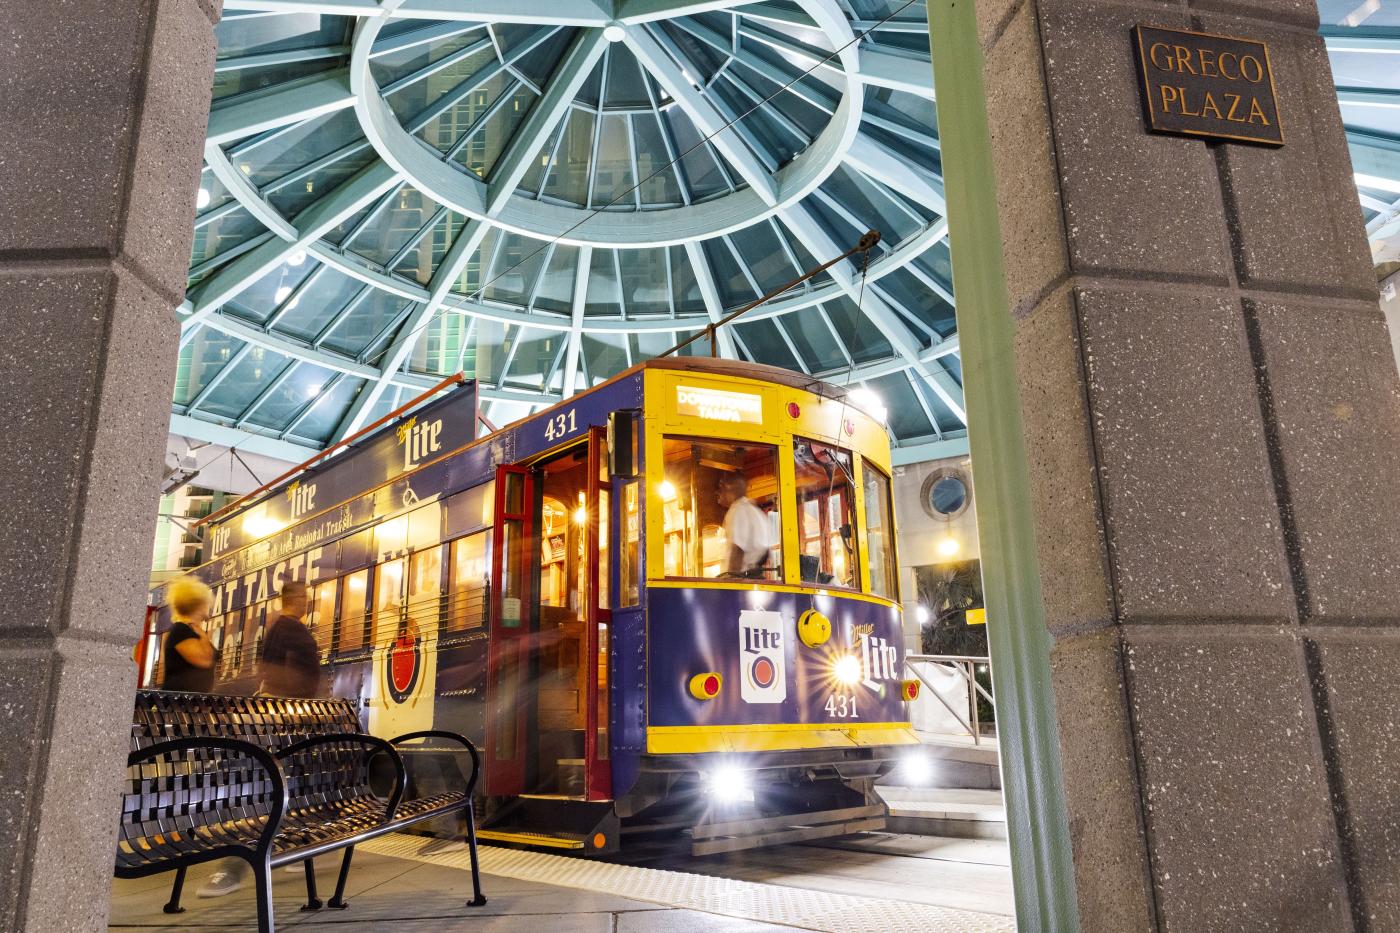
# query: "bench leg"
174,906
262,876
312,901
338,899
479,899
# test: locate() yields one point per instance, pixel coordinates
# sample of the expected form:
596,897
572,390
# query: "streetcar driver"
745,526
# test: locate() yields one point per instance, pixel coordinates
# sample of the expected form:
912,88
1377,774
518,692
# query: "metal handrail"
965,665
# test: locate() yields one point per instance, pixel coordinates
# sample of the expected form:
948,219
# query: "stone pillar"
1210,412
104,105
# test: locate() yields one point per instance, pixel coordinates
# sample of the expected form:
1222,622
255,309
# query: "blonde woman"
190,657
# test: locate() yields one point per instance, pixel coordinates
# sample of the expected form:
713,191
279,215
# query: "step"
939,811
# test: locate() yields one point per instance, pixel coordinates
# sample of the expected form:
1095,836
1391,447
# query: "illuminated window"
825,501
879,534
352,610
721,515
320,615
471,579
629,573
424,604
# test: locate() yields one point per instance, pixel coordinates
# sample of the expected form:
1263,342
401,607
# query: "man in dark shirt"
291,662
290,666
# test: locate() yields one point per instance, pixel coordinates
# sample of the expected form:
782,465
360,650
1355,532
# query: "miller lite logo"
879,660
404,664
302,497
762,665
419,440
220,538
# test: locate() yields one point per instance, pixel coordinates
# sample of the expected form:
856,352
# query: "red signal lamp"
794,410
706,686
909,690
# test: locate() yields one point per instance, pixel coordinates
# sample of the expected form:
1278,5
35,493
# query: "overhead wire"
595,212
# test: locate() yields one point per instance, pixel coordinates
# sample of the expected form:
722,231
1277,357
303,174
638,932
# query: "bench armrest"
368,741
453,736
237,746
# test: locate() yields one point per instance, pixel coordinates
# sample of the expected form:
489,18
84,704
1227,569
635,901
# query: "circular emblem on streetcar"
762,672
405,663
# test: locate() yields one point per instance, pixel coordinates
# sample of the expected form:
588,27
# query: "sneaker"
223,881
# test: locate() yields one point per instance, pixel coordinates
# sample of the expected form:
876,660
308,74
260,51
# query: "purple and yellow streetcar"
668,604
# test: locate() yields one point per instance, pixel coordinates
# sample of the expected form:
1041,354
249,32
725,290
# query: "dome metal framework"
541,194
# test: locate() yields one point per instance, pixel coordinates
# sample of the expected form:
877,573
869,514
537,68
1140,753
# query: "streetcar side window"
879,533
352,610
629,571
471,581
722,515
320,615
825,497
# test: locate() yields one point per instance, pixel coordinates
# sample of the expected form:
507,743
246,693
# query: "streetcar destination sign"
1213,87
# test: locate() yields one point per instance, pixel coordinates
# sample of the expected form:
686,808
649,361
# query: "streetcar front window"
825,502
722,517
879,533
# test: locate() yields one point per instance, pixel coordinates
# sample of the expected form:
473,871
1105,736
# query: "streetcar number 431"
840,706
560,425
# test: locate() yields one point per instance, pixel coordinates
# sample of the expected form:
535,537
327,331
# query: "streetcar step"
544,840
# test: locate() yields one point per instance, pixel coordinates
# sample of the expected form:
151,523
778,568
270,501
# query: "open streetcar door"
508,649
547,663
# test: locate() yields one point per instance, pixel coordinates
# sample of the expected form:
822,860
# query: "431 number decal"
560,425
840,706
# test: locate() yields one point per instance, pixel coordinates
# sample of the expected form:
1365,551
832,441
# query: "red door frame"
508,644
598,770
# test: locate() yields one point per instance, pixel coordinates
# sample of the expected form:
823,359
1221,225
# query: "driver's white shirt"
747,528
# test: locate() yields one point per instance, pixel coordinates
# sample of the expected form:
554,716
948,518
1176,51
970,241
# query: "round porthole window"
945,494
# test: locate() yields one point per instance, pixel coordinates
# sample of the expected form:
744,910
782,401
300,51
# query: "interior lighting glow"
201,200
260,526
580,516
613,32
847,669
282,294
870,403
921,613
948,547
297,258
666,490
728,784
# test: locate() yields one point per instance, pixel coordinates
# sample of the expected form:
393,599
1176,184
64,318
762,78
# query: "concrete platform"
396,884
944,811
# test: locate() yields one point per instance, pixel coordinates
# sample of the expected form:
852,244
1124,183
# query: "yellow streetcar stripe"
771,737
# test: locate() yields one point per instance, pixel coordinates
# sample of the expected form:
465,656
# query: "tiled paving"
393,885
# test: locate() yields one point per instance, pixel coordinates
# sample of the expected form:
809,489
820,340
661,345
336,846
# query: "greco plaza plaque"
1214,87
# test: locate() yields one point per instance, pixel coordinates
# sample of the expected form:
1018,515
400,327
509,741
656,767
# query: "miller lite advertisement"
763,667
434,430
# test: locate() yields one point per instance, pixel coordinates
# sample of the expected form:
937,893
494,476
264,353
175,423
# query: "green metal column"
1041,859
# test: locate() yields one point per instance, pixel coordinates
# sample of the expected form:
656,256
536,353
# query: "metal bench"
273,781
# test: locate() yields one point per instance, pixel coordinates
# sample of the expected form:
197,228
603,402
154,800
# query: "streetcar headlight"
915,769
728,784
847,669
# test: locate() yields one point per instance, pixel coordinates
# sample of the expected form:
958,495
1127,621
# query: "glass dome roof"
542,193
